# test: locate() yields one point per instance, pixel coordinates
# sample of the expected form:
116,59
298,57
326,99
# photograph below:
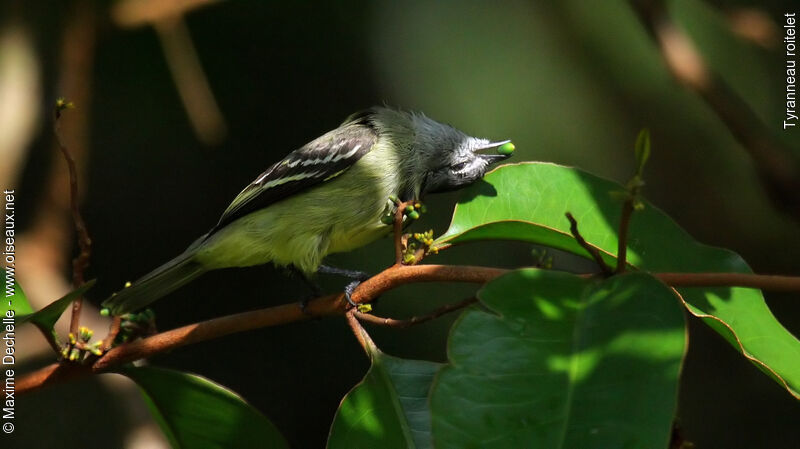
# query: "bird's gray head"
449,158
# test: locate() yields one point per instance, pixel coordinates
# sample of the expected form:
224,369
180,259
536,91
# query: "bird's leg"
357,278
316,291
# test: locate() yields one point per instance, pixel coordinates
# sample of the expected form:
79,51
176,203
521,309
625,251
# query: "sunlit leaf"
527,202
561,361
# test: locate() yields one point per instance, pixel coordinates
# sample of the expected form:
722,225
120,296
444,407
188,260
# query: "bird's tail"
152,286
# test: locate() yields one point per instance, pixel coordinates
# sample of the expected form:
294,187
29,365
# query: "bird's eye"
459,166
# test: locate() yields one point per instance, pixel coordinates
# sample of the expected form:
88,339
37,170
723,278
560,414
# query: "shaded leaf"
388,408
563,362
45,319
195,412
530,204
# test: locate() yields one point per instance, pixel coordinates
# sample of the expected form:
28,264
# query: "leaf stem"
573,228
622,237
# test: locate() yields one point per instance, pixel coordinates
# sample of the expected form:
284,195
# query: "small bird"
326,197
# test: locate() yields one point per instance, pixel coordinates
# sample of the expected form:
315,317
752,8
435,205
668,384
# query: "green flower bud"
95,348
85,333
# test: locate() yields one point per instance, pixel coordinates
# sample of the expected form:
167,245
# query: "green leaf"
45,319
196,412
563,362
527,202
14,298
388,408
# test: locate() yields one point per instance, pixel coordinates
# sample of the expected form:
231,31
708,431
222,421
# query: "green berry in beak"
506,148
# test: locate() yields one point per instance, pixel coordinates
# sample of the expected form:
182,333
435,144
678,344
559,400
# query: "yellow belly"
336,216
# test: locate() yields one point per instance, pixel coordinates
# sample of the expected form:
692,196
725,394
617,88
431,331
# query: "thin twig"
49,240
81,261
391,322
113,330
573,228
361,334
398,231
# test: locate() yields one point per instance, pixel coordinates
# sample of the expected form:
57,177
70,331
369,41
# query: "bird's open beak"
504,151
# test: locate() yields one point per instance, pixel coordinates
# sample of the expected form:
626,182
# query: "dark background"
571,83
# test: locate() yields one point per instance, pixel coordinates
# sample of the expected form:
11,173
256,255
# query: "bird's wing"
324,158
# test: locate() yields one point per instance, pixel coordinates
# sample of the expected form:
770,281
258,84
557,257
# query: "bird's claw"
348,292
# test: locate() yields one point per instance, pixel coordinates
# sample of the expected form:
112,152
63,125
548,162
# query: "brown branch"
777,166
573,228
218,327
404,274
401,324
336,305
271,316
748,280
193,333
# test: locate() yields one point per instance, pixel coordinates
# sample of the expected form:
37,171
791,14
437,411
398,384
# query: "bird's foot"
303,304
348,292
357,278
